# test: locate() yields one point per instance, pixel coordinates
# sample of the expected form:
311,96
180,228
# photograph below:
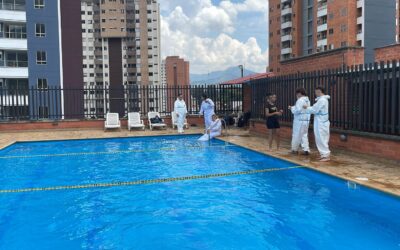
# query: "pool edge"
309,167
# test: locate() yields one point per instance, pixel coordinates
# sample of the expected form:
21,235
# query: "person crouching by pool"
214,130
273,115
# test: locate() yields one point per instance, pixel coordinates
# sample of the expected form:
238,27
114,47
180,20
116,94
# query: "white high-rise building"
121,50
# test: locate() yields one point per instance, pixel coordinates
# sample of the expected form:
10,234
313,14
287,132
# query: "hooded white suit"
207,109
181,110
321,124
215,130
301,122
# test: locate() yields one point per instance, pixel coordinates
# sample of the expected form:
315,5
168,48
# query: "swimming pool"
295,208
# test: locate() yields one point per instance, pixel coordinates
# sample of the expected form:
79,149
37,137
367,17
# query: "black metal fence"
363,98
54,103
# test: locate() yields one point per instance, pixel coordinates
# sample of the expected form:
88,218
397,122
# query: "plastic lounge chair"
134,121
151,115
112,121
175,121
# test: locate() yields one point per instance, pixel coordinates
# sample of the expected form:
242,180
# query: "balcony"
285,38
360,20
322,27
286,24
18,5
322,42
13,44
13,72
322,11
285,51
286,11
360,36
360,4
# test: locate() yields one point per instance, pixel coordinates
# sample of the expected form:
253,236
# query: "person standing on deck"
207,110
320,110
180,111
301,123
272,113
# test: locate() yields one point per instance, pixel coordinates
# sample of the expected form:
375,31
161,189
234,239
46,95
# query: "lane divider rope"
109,152
144,182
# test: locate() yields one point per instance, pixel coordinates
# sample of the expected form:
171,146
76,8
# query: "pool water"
290,209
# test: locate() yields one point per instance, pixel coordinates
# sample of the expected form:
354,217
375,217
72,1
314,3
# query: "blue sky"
216,34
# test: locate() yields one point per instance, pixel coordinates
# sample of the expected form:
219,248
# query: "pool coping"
93,138
303,164
307,166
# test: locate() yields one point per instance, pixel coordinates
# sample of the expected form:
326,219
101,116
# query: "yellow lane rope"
143,182
109,152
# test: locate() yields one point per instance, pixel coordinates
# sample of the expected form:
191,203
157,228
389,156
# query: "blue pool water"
291,209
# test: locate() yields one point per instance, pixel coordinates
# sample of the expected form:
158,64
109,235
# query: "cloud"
206,34
211,54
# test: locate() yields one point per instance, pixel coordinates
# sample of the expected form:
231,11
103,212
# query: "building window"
39,4
42,84
40,30
41,58
43,112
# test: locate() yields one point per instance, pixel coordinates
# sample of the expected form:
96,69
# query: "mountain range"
218,76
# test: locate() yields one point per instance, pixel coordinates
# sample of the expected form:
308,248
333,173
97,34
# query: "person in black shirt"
273,114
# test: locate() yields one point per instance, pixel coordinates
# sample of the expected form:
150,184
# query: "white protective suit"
181,111
207,109
215,130
301,123
321,124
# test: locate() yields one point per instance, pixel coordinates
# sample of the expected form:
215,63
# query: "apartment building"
176,71
121,50
37,38
302,28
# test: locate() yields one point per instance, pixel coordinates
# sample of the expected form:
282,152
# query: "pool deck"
382,174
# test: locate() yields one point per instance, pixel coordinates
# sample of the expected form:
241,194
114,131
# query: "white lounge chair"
174,118
134,121
112,121
151,115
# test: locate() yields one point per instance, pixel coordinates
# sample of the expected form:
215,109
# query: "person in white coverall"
301,123
320,110
180,111
207,110
214,130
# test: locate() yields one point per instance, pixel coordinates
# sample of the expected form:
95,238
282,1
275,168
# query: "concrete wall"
82,124
369,145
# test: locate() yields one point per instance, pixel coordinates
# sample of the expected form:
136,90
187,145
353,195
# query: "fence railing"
54,103
363,98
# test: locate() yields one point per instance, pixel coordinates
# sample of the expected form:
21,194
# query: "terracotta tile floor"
382,174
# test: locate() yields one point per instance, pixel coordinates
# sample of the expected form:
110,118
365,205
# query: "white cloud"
202,33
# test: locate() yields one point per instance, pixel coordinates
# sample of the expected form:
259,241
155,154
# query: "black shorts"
273,122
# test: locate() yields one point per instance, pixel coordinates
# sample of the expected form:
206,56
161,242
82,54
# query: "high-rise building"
176,77
37,38
176,71
121,49
299,28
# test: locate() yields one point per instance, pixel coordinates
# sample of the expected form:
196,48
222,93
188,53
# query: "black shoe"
306,153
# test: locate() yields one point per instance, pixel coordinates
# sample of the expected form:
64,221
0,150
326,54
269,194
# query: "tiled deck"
382,174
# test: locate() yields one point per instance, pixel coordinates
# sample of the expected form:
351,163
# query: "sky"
216,34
